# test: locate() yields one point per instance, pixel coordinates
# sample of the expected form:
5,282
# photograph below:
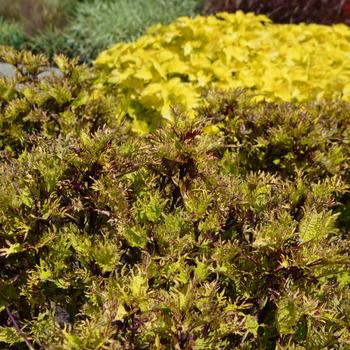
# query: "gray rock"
19,87
62,316
50,72
7,70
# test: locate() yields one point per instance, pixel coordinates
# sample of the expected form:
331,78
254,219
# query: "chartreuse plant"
227,231
171,65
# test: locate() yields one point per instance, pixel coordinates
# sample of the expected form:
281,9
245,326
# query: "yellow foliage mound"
171,65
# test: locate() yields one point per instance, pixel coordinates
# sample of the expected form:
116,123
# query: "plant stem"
18,330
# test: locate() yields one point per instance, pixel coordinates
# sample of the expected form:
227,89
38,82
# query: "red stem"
18,330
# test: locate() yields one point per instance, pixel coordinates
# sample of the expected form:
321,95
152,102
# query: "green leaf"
26,198
287,316
9,335
11,249
316,226
201,270
252,325
136,237
344,278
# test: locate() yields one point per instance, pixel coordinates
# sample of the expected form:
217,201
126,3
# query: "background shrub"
287,11
51,41
36,25
11,34
84,28
100,24
173,64
36,15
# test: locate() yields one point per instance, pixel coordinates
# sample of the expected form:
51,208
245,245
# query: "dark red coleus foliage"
287,11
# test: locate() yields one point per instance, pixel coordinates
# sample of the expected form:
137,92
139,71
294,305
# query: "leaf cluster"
48,101
227,231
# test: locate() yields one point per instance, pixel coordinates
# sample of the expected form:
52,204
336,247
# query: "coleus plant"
48,101
227,231
287,11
